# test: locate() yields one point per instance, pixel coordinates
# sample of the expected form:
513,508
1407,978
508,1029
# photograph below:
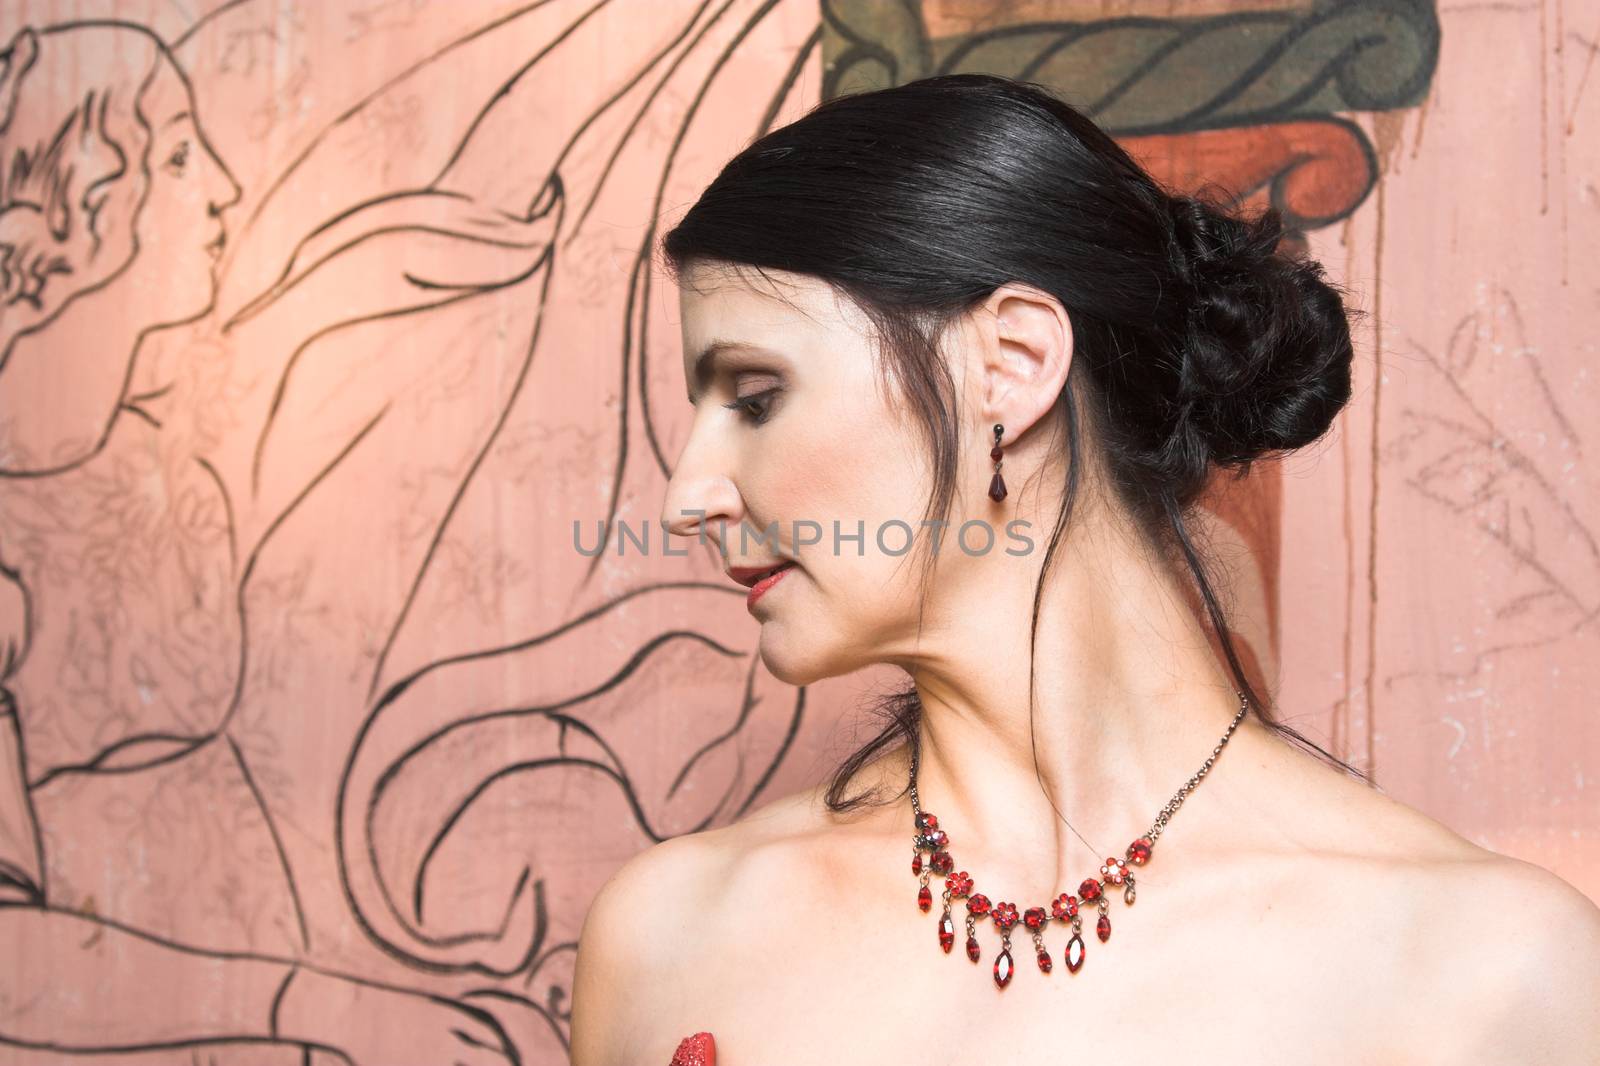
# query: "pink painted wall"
1445,547
300,664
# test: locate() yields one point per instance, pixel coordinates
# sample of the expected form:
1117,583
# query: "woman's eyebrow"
705,364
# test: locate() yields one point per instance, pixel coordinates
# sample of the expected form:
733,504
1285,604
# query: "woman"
111,204
111,222
959,300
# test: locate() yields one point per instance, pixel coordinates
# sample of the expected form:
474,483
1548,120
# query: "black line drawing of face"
180,232
111,203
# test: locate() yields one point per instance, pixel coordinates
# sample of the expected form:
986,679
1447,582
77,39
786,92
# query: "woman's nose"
224,191
699,505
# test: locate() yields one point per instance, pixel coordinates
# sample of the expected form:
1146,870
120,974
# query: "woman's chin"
786,663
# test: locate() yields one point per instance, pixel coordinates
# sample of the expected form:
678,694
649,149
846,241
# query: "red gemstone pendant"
1075,953
1044,961
973,951
1103,927
1002,969
947,931
924,897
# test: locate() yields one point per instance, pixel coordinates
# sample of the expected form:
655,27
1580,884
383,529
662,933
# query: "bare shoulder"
1524,949
645,932
622,985
645,901
1502,955
1469,956
693,871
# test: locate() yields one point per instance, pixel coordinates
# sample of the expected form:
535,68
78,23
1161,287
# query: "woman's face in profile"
791,427
180,228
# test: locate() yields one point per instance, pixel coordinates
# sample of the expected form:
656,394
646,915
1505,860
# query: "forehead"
772,307
166,98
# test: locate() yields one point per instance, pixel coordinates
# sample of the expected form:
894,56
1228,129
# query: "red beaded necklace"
958,884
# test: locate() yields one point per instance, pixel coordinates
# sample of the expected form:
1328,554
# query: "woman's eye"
755,406
179,157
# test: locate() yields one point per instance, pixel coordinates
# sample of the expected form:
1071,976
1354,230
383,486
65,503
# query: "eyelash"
743,405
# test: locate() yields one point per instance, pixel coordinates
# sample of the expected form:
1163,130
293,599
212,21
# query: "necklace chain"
958,885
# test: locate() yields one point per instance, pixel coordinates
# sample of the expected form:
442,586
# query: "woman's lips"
766,583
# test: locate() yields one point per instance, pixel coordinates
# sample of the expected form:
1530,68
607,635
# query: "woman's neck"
1130,701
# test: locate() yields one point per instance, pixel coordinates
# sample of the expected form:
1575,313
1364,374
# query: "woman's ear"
1025,341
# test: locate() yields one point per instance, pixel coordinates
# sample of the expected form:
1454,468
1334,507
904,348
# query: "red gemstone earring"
997,487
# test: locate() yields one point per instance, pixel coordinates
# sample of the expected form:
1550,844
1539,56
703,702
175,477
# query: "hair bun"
1265,349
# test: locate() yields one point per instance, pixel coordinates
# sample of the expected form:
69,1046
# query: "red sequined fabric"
697,1050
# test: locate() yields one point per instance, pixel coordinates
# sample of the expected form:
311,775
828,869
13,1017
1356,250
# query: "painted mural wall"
322,324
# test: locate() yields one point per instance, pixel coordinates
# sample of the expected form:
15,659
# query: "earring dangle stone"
997,486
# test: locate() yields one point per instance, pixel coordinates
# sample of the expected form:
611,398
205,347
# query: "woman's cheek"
818,472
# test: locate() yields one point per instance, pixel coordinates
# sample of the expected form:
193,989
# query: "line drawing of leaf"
1491,477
